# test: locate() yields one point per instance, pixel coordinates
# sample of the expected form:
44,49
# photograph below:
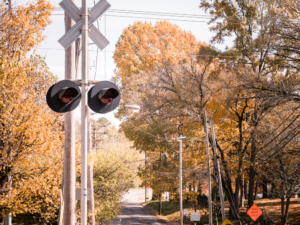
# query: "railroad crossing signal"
254,212
65,96
74,12
104,97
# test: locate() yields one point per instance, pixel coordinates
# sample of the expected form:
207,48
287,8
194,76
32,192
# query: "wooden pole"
69,175
218,169
208,170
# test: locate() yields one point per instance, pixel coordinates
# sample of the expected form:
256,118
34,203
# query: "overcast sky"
115,21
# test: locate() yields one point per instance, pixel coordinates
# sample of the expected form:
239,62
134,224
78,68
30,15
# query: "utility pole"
69,173
218,169
83,19
84,109
208,169
180,178
146,176
7,219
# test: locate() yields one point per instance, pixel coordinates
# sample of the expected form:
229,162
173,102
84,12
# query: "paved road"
133,213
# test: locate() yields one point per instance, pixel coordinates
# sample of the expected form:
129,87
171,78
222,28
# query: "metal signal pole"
91,218
84,110
208,170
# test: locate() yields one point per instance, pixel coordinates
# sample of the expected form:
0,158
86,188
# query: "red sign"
254,212
148,187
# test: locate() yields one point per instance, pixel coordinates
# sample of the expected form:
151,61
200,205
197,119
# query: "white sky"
54,52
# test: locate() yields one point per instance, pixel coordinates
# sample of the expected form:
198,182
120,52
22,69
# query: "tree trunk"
245,189
252,169
265,188
242,193
255,192
282,208
234,208
200,189
273,189
159,205
285,216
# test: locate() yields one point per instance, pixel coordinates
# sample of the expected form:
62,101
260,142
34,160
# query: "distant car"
259,195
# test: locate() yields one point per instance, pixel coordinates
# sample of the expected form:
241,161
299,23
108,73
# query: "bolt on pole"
84,111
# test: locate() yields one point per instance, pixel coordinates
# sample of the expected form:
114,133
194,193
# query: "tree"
31,135
170,103
255,26
115,168
239,88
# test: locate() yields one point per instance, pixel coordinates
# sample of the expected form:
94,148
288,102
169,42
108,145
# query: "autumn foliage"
31,135
251,92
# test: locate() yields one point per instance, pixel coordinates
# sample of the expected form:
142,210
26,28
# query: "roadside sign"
195,216
254,212
185,212
226,222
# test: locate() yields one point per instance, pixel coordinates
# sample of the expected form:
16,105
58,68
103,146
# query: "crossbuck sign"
98,10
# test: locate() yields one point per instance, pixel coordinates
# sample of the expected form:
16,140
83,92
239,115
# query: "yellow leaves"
31,137
143,45
25,25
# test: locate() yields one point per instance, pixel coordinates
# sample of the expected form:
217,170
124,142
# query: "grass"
170,211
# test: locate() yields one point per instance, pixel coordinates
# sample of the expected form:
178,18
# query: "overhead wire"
161,14
203,16
164,15
221,56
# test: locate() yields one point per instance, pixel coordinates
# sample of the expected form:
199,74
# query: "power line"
151,13
142,17
198,21
60,49
161,14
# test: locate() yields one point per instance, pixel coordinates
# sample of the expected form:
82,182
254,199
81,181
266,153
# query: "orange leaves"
143,45
25,25
31,135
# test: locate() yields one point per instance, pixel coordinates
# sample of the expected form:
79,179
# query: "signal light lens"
67,95
106,95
